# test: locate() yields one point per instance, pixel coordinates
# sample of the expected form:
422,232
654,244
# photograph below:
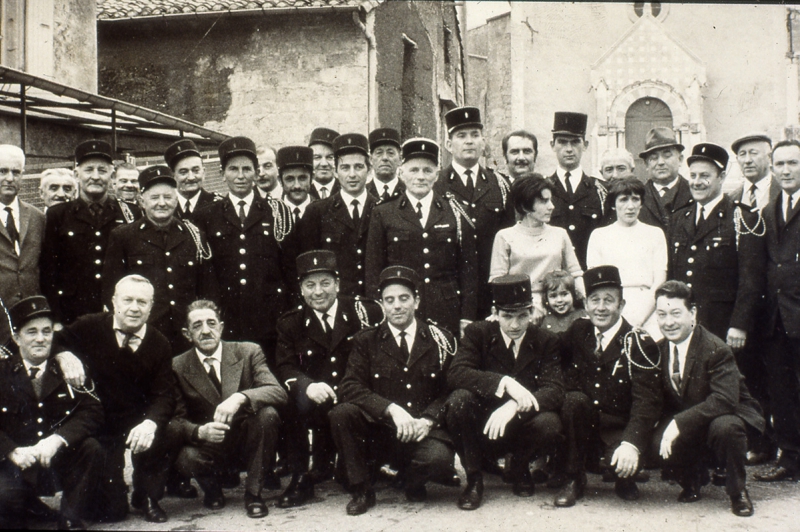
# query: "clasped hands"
408,427
43,452
216,430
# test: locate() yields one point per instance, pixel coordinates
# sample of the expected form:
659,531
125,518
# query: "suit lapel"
256,212
655,207
558,188
707,224
584,188
343,212
457,186
421,344
24,221
231,369
366,212
389,345
314,327
482,185
691,358
195,374
50,380
526,354
500,352
436,213
409,212
230,212
340,325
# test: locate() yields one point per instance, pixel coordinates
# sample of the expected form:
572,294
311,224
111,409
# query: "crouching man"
393,396
226,409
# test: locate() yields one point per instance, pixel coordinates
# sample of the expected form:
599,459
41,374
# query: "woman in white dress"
534,247
637,249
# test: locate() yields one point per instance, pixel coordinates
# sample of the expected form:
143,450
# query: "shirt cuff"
630,445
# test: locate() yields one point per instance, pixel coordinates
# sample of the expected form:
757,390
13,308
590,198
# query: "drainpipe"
368,29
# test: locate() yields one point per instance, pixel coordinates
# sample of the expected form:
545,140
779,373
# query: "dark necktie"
356,217
751,198
242,216
419,212
323,192
676,369
404,345
11,227
511,349
385,195
126,341
212,374
36,382
569,183
470,183
326,326
296,215
662,191
598,350
188,209
95,209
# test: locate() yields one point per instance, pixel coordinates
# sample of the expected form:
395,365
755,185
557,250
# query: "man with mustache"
295,167
384,145
183,158
76,236
267,182
58,185
324,184
520,149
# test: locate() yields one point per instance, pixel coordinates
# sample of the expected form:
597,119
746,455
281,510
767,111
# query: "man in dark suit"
782,316
706,403
130,364
393,396
295,168
578,199
253,246
47,428
183,158
324,184
226,409
314,343
613,391
171,253
520,149
427,233
759,187
385,148
666,191
479,192
340,222
76,236
267,182
508,388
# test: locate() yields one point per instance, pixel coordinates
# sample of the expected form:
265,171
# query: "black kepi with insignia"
707,151
567,124
511,292
601,277
350,143
98,149
462,117
289,156
399,275
153,175
27,309
323,135
237,146
425,148
180,150
384,135
316,261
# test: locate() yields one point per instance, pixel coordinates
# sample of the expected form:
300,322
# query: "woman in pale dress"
637,249
534,247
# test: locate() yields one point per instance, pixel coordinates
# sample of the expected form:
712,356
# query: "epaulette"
602,193
283,219
363,313
127,213
459,212
504,183
445,341
638,336
218,196
740,224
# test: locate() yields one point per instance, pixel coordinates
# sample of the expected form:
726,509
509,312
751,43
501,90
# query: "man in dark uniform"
613,396
508,390
130,364
47,428
666,191
171,253
254,250
480,193
340,222
295,168
314,343
577,198
324,184
393,396
183,158
427,233
385,147
76,236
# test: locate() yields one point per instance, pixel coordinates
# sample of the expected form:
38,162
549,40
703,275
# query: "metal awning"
26,96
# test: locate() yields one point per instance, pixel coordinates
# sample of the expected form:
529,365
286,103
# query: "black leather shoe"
569,494
363,499
38,510
775,474
758,458
70,524
182,489
255,506
626,489
214,500
299,491
741,504
416,493
472,496
690,493
272,481
153,513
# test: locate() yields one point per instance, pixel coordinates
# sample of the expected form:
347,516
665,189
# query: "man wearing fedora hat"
340,222
183,158
47,428
578,199
324,184
385,149
76,236
666,191
508,389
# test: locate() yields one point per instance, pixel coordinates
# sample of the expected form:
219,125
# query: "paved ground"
777,508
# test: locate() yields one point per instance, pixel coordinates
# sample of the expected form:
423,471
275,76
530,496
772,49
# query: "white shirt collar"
507,339
216,356
14,211
380,184
327,186
191,201
28,367
302,206
348,199
710,206
575,176
248,201
275,193
426,205
609,334
669,185
331,314
461,171
411,333
120,335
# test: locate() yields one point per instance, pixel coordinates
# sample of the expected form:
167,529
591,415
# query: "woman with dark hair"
534,247
637,249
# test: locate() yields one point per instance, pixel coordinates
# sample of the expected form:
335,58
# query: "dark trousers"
752,363
77,470
783,370
251,439
726,438
527,436
303,414
356,433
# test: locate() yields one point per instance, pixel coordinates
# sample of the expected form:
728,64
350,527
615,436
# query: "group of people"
540,328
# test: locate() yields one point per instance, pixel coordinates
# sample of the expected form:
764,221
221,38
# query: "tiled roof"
117,9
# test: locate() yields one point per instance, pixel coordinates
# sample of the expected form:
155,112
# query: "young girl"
560,301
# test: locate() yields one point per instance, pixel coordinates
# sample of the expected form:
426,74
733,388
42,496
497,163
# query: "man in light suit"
21,234
226,409
706,403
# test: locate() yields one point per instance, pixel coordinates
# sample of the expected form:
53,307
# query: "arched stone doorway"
643,115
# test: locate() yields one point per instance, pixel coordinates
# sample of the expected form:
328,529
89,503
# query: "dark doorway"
642,116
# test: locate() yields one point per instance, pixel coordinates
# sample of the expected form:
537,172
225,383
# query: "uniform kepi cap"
237,146
350,143
461,117
323,135
706,151
289,156
93,148
384,135
399,275
511,292
601,276
316,261
660,137
153,175
27,309
567,124
753,137
425,148
180,150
